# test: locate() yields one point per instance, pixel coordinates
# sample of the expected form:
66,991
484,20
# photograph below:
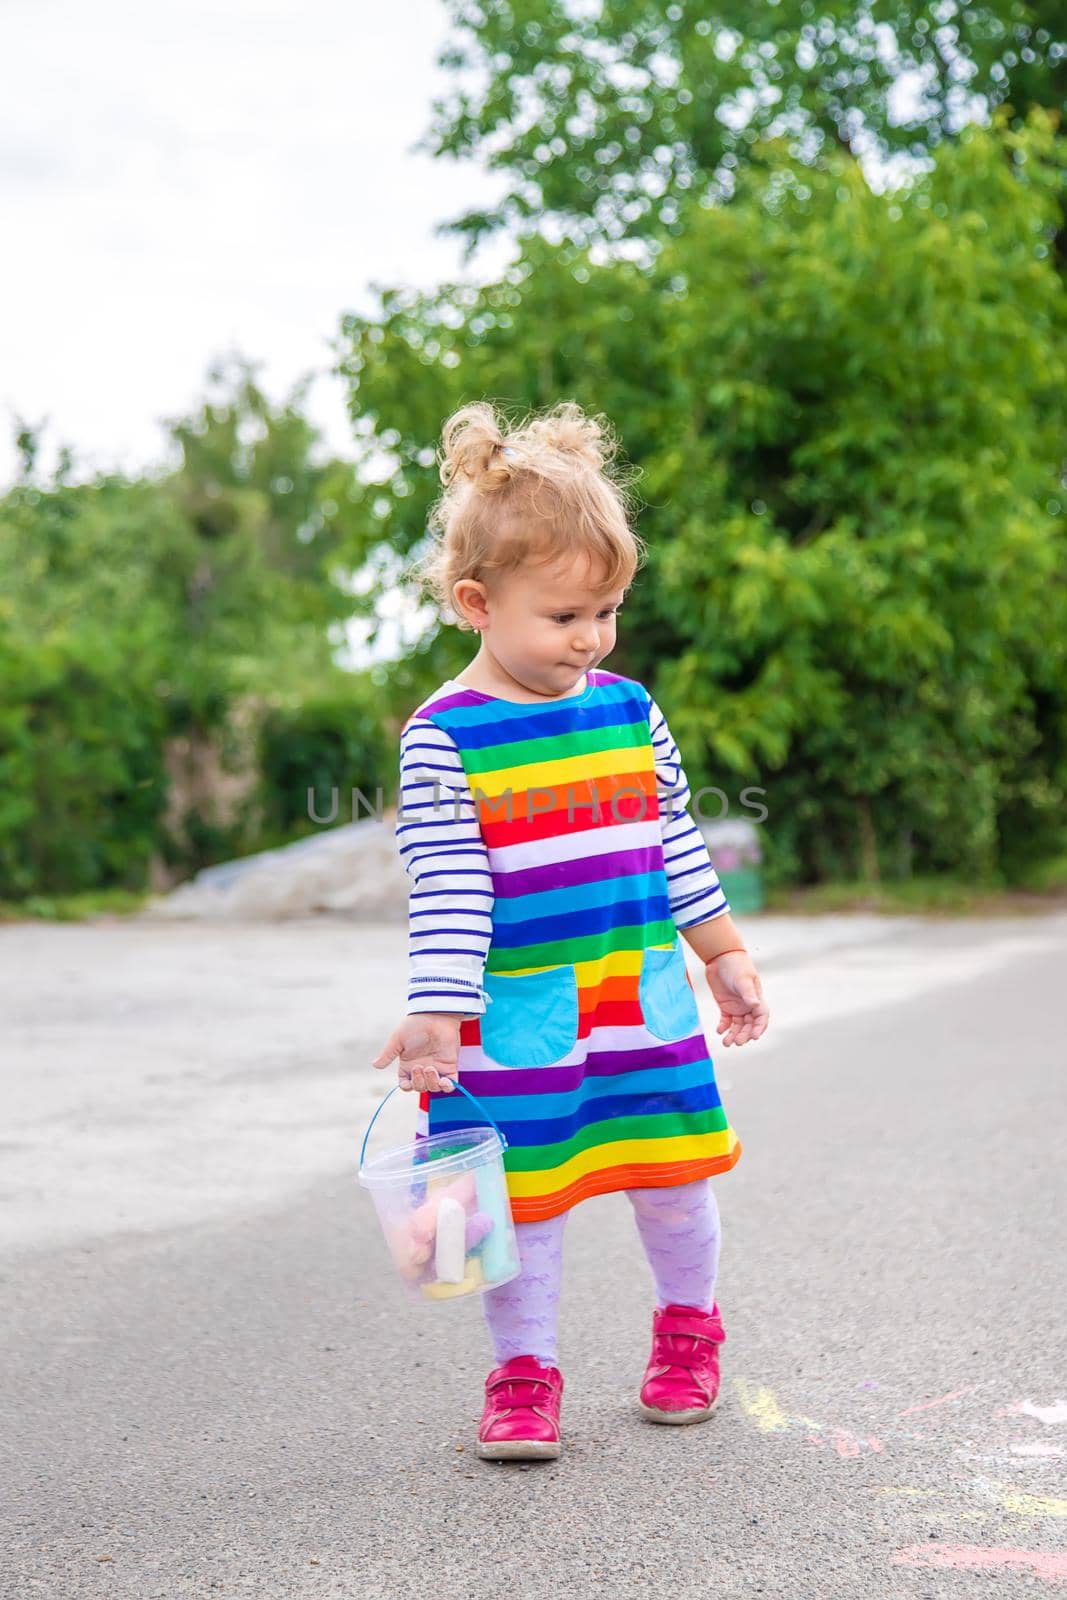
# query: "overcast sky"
179,180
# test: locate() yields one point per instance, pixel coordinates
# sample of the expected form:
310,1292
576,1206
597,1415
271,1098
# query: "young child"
542,820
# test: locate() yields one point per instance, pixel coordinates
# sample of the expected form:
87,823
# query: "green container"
744,888
737,855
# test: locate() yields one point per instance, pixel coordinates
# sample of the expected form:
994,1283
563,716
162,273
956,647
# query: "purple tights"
679,1230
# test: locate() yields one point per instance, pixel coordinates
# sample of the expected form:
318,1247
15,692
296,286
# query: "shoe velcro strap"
711,1331
517,1378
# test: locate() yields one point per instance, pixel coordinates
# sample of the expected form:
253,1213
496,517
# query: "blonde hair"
529,494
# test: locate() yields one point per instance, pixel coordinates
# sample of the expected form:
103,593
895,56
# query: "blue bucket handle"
458,1085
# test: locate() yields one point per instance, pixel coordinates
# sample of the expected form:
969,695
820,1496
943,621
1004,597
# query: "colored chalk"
449,1251
498,1254
478,1226
447,1291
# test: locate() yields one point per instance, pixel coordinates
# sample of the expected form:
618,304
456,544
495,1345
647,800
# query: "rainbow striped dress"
553,865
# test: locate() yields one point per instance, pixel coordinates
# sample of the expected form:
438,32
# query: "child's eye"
568,616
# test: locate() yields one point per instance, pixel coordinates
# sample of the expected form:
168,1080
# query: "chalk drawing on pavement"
995,1507
1046,1564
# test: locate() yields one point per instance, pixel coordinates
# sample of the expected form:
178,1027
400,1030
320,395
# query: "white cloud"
181,180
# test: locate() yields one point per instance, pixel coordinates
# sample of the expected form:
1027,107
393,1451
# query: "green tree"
139,611
849,414
604,117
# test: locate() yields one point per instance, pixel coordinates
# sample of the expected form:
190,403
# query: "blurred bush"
82,785
143,623
313,757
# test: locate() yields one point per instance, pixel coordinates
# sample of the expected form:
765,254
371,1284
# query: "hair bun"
475,445
567,427
472,446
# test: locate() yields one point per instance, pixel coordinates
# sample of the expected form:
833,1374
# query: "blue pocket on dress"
531,1020
668,1005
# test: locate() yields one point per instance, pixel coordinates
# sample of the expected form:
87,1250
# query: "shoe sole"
699,1415
518,1449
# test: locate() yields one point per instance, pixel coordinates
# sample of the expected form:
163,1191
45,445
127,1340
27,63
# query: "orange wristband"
734,949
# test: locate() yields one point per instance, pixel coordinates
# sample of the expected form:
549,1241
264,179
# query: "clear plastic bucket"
444,1209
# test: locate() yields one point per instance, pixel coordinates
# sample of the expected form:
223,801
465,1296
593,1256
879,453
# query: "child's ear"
469,600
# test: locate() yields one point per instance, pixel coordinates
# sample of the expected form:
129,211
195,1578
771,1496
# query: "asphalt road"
241,1402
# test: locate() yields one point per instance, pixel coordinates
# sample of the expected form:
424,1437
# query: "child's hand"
734,981
426,1049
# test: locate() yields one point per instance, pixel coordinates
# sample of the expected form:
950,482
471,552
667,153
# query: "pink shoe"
681,1382
521,1417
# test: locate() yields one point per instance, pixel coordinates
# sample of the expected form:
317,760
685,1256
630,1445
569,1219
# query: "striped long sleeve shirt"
443,852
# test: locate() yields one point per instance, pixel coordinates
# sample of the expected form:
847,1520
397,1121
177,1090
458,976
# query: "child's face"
547,626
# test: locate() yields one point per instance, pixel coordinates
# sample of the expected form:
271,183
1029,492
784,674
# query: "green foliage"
606,118
314,754
81,780
74,907
136,612
849,410
940,896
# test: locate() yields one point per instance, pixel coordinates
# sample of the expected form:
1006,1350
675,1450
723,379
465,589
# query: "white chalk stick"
449,1251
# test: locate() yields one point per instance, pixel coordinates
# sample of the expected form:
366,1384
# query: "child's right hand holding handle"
425,1048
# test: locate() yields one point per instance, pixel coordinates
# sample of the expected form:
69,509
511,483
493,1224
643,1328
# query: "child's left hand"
734,981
